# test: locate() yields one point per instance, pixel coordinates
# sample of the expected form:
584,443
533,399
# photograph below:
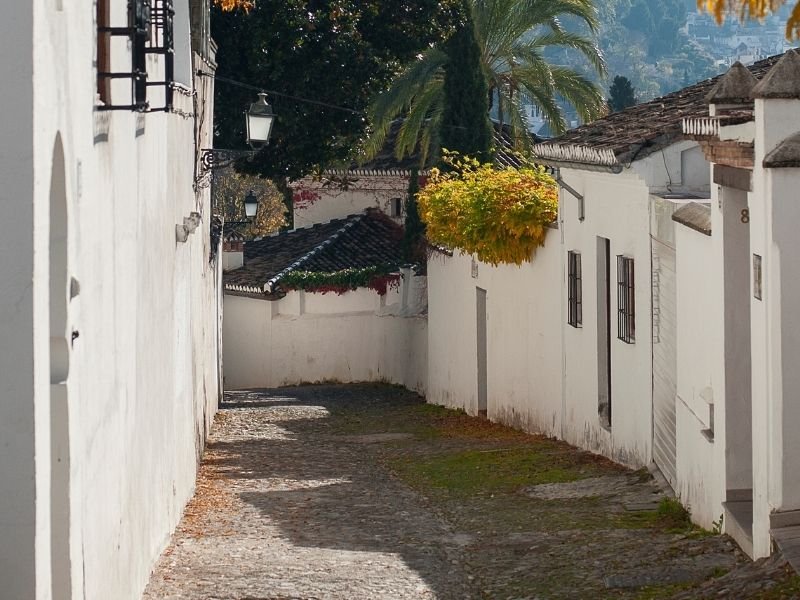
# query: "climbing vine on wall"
500,215
380,279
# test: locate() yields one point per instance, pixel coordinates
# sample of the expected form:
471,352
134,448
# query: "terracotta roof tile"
633,133
362,240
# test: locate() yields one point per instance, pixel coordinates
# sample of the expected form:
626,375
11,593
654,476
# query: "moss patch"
491,471
785,590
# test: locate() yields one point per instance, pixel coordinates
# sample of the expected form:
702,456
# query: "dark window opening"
396,207
574,289
626,305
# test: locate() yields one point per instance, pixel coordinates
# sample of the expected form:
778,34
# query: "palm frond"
400,96
418,119
574,41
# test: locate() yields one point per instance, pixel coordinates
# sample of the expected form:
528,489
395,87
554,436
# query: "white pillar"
775,334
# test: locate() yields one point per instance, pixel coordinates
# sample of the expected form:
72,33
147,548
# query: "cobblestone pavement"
365,492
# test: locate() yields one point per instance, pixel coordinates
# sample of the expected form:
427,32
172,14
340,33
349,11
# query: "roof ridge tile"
349,222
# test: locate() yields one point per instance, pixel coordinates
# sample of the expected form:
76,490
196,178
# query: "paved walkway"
365,492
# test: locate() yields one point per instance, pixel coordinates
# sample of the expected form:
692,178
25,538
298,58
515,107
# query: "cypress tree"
621,94
413,244
465,122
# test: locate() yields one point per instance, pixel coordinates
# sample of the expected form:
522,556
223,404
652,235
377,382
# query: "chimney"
232,253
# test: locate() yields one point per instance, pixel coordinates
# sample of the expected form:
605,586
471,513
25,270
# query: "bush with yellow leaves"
500,215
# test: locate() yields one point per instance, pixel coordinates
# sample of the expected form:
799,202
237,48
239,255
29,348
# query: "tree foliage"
621,94
514,37
229,190
499,215
324,59
466,128
229,5
753,9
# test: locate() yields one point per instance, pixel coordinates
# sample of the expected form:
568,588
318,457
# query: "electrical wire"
352,111
281,94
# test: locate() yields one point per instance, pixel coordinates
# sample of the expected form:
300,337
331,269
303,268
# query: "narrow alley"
365,491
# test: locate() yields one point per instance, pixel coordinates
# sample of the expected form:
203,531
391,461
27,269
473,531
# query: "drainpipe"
557,176
565,186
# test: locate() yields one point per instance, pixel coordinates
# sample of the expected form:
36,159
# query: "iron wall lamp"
259,120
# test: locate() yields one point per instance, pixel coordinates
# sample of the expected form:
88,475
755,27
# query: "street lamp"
259,120
250,210
250,204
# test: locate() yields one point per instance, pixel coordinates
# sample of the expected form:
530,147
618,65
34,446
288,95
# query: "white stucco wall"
116,445
523,337
617,208
700,343
363,192
309,337
772,215
543,374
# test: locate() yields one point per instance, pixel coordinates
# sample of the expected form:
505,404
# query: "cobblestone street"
363,492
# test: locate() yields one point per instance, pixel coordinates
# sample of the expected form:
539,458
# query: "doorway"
604,331
59,373
480,302
738,368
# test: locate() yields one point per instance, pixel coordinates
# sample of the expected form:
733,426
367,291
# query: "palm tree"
514,36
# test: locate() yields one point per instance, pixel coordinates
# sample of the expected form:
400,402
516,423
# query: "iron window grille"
150,31
626,304
574,289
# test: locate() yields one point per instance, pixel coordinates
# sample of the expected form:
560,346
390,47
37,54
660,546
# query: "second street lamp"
250,209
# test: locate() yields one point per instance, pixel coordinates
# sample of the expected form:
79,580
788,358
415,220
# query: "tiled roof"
634,133
363,240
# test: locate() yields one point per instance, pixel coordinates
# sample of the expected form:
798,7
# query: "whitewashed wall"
774,325
523,314
700,460
115,446
616,208
310,337
365,191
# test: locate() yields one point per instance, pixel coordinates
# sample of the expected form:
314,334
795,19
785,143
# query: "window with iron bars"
150,32
574,289
626,305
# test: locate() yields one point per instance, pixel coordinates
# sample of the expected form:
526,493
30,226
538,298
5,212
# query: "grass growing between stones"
785,590
504,470
662,592
670,516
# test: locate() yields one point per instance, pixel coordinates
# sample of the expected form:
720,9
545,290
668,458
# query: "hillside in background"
664,45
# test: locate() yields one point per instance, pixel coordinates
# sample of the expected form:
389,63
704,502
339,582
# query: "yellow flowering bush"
500,215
